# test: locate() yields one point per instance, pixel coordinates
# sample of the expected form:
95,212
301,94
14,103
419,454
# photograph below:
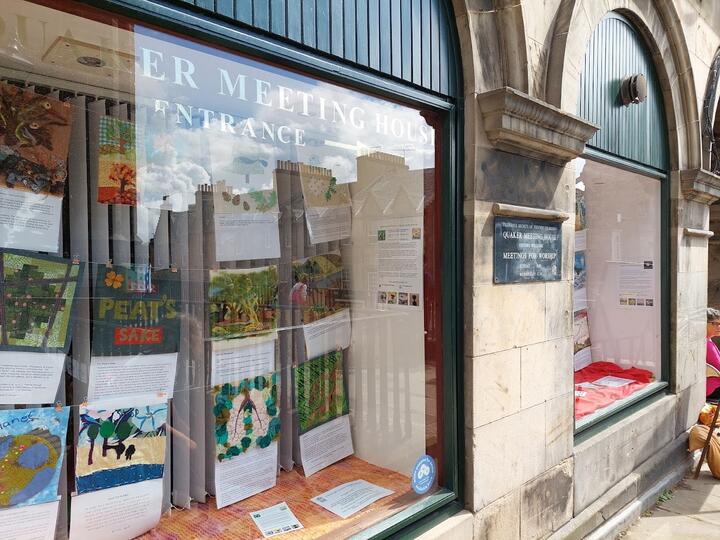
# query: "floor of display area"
203,521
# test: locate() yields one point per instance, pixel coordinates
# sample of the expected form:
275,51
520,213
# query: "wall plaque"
526,250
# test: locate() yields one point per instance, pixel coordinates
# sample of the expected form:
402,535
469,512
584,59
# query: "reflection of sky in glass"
205,132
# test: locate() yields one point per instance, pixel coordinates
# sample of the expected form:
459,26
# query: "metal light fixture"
633,89
91,61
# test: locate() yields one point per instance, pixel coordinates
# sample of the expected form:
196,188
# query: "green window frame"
448,501
647,155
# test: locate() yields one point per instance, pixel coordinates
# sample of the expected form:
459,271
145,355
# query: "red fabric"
597,398
712,358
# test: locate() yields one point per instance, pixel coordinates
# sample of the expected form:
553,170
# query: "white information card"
349,498
276,520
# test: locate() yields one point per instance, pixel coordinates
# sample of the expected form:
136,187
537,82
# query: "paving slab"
690,511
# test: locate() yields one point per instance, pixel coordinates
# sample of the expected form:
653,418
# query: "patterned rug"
203,521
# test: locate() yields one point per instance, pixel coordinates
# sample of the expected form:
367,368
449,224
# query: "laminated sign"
137,311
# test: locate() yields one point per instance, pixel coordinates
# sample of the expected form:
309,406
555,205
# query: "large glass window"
221,296
617,301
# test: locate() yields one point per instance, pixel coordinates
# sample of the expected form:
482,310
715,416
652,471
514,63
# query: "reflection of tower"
387,186
217,187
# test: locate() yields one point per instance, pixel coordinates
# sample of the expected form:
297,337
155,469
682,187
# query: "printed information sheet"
235,360
34,522
400,262
276,520
246,236
330,333
29,220
612,382
328,224
636,284
120,376
27,377
346,499
117,513
245,475
325,445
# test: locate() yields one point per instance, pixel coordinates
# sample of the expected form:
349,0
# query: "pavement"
690,510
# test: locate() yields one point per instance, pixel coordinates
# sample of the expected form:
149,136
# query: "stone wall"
525,476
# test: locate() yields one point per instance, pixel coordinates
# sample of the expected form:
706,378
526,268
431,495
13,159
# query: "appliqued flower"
114,279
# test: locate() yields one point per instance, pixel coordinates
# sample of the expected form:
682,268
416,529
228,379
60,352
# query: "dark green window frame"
632,404
657,168
413,520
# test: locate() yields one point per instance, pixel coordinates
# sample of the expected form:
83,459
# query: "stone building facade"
527,475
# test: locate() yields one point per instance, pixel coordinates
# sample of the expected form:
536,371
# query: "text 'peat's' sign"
526,250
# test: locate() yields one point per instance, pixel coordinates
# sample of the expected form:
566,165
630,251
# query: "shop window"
221,286
617,300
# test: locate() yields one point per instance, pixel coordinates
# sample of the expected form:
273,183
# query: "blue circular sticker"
423,475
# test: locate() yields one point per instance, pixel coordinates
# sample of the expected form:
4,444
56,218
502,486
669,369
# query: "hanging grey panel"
408,40
636,132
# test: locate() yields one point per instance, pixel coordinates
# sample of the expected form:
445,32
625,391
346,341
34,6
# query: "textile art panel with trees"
320,390
32,444
38,293
34,141
247,415
120,446
243,302
318,286
117,173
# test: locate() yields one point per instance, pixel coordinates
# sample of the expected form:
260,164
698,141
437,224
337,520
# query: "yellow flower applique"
113,279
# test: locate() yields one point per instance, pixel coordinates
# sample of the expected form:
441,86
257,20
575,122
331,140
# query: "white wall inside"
623,226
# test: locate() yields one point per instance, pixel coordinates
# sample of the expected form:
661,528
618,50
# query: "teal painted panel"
322,18
636,132
337,35
261,14
309,30
350,44
277,20
363,50
407,40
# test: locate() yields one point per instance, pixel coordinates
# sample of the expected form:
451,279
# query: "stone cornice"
700,185
520,124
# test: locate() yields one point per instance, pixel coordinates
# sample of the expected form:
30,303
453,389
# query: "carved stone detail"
700,185
520,124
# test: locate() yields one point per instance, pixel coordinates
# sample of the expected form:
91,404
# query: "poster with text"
120,444
32,446
237,359
136,311
399,244
117,513
327,204
117,174
38,295
30,377
247,431
322,412
34,140
243,302
636,284
246,222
